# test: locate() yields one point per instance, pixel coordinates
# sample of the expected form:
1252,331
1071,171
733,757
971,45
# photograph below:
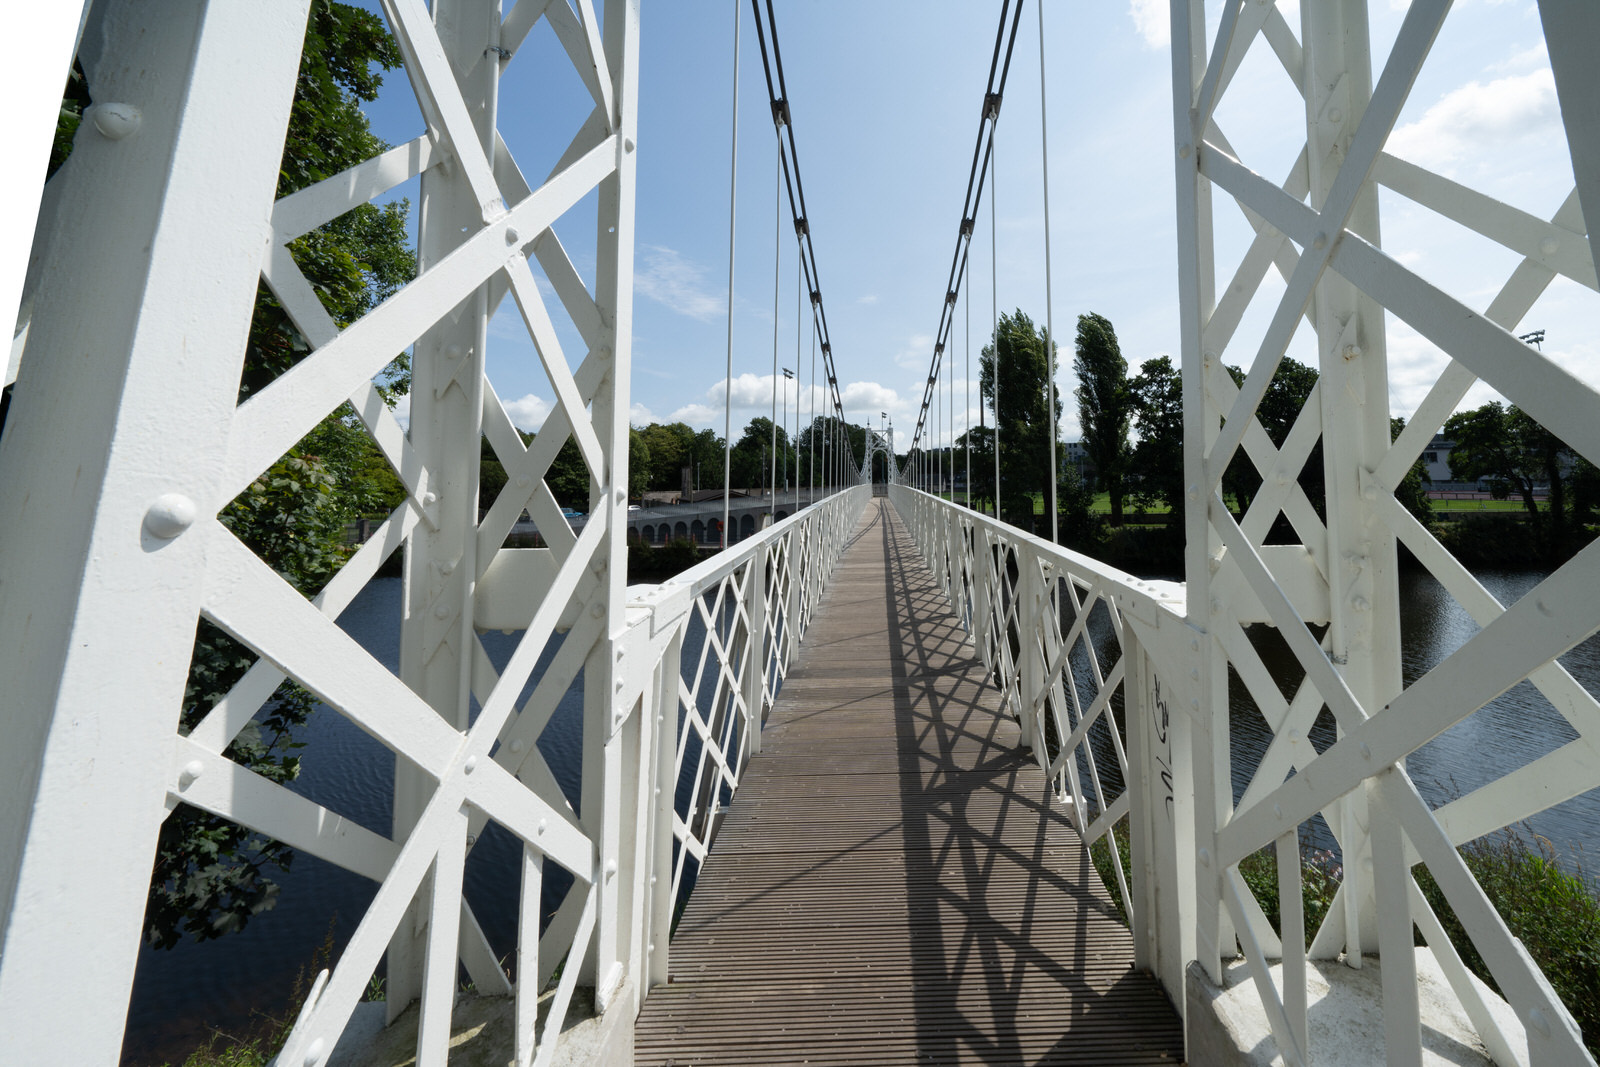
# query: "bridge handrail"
754,602
1061,666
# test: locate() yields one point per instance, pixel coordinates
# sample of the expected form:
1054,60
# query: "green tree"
1156,464
210,875
1026,428
1105,406
1509,450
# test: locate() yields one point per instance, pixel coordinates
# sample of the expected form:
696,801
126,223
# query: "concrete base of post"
481,1034
1229,1026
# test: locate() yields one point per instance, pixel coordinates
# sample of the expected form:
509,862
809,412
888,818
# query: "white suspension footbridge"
1102,697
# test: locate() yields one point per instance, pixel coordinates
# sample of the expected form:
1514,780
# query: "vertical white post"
665,733
1364,628
446,426
616,828
756,661
149,247
1208,711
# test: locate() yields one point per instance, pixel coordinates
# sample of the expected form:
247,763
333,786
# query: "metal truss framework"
1318,228
879,442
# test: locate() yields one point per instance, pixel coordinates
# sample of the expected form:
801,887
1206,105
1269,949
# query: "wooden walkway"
889,885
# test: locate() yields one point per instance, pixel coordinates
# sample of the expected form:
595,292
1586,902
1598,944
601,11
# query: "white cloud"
1479,121
640,415
528,412
1151,20
916,353
859,397
667,278
867,298
699,415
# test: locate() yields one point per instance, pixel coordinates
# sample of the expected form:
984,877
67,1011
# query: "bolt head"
470,765
114,121
170,515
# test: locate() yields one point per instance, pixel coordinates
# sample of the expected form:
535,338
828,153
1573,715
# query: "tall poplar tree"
1025,427
1105,406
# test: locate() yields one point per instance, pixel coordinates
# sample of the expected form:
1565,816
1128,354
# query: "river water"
179,995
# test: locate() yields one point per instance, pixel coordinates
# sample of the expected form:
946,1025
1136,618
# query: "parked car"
571,513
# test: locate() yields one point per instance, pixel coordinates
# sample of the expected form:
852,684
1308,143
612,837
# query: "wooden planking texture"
890,884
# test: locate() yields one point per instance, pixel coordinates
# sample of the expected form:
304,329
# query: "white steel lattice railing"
719,640
1060,634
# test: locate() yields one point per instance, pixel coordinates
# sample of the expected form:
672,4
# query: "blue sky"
885,98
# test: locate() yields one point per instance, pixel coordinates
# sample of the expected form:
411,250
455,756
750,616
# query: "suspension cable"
982,152
1049,321
727,381
789,160
777,260
994,312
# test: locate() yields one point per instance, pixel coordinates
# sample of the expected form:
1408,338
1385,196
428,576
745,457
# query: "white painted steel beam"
145,278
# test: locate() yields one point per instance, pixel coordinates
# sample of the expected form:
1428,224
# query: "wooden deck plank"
890,884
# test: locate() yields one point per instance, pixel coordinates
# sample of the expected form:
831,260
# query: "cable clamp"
780,112
991,105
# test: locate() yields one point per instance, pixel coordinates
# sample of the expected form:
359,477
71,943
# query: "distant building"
1436,459
1075,455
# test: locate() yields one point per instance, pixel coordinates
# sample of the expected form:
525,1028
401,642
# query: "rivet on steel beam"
442,611
1336,116
1537,1020
523,481
611,868
622,496
1277,811
627,144
1194,492
454,352
314,1053
1205,858
1360,603
1369,493
1366,751
1184,151
517,745
191,770
598,610
170,515
1549,245
604,352
543,824
1352,352
470,766
511,235
114,121
1320,241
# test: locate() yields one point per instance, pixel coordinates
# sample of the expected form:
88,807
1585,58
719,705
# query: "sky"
885,99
